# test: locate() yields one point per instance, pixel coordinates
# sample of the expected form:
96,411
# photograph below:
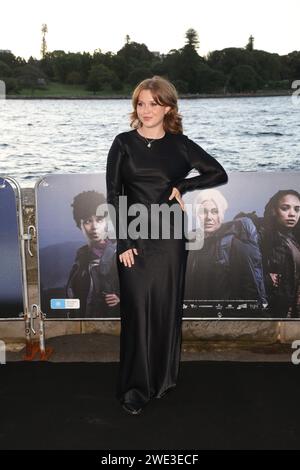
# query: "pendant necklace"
149,142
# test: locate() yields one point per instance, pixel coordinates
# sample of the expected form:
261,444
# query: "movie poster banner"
248,263
243,249
78,276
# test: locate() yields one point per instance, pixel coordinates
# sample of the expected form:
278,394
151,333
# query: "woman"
93,278
281,252
229,264
148,165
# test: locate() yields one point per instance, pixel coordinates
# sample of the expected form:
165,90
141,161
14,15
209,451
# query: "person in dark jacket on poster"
93,278
281,253
229,264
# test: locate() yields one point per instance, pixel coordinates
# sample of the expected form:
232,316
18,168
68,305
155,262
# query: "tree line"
231,69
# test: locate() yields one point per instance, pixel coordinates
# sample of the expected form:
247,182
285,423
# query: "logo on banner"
295,358
62,304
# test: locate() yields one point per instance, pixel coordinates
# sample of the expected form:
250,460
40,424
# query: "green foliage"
243,78
291,64
181,86
11,60
11,84
101,77
268,66
226,59
192,38
231,69
138,74
29,76
5,70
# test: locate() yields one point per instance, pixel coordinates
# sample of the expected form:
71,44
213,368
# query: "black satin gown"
151,291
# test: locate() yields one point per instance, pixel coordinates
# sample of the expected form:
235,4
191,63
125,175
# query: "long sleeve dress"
151,290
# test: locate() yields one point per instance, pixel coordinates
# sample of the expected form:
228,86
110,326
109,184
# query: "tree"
181,86
134,55
11,85
267,65
243,78
225,59
5,70
138,74
291,64
11,60
101,77
33,61
120,67
209,80
159,67
6,75
58,65
183,65
31,77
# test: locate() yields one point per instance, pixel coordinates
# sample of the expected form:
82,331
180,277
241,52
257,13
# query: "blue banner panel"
11,295
78,276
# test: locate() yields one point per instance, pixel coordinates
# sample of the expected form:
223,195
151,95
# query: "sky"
87,25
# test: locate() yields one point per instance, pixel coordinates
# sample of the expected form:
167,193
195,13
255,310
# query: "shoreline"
258,94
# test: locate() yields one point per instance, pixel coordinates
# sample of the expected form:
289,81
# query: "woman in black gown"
148,166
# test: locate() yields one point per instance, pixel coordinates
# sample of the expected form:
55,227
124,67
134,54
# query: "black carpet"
214,406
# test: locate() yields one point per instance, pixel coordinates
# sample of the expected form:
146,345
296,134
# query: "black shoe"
131,409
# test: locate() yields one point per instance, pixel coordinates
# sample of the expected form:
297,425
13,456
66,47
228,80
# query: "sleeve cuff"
124,245
181,186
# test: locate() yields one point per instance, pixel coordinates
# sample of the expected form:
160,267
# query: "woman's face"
149,112
287,211
209,216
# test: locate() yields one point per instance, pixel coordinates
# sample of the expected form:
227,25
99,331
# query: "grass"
60,90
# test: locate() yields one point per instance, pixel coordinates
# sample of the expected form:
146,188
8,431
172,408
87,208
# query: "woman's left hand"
175,193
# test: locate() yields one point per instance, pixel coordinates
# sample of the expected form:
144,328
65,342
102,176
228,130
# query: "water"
39,137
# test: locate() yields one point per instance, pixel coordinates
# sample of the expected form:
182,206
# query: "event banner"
77,262
11,294
247,264
242,241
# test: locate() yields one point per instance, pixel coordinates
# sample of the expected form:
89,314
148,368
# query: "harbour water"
38,137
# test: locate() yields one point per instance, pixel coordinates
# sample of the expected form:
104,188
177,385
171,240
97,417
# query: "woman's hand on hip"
176,193
127,257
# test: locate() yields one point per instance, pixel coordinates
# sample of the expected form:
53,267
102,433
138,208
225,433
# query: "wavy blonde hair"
165,94
216,197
